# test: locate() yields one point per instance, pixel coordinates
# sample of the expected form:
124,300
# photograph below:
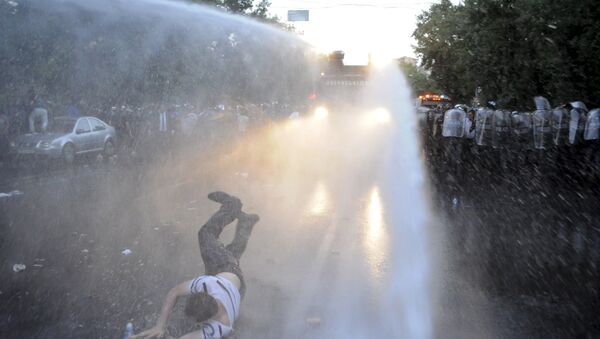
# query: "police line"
544,128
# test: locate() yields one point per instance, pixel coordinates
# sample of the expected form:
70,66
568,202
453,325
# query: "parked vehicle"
67,138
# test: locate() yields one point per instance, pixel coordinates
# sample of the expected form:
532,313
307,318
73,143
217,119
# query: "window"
62,126
82,126
97,125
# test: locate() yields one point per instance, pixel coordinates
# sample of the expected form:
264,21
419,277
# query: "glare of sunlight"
381,59
319,200
321,113
379,116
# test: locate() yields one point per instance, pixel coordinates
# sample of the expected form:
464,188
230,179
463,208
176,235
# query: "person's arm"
194,335
158,331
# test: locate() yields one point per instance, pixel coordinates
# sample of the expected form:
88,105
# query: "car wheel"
109,150
68,153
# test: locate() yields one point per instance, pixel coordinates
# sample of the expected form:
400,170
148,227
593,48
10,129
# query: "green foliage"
419,80
513,49
258,9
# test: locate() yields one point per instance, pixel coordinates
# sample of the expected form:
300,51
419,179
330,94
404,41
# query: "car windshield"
62,126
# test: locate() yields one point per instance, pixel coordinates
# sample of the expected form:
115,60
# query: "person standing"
454,129
243,122
38,114
166,129
164,123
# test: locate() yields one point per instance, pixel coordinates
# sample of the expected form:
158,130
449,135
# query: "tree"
255,8
419,80
439,35
513,49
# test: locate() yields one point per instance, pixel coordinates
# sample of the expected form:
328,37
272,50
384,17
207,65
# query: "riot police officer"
483,135
542,133
501,123
522,138
577,122
435,122
454,128
542,127
560,137
591,140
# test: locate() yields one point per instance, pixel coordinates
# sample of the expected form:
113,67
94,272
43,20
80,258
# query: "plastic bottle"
455,203
128,331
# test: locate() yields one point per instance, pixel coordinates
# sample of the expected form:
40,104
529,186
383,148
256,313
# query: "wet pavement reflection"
375,236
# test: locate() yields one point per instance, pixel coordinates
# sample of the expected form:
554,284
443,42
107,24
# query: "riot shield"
483,126
592,125
560,126
434,139
422,115
577,121
542,104
522,130
454,123
579,105
501,132
542,129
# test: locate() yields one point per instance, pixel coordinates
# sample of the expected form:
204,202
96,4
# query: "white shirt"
163,122
225,292
242,123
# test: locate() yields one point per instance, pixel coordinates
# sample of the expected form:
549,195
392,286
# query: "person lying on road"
213,299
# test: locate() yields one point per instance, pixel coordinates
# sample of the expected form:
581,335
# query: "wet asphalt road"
315,265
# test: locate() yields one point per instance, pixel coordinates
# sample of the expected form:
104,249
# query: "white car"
66,138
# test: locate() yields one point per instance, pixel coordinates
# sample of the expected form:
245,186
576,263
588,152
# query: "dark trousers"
218,257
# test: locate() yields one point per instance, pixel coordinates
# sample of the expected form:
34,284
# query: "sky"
358,27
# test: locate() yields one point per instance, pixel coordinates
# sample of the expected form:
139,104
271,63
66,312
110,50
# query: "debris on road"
11,194
126,252
242,174
19,268
39,262
313,321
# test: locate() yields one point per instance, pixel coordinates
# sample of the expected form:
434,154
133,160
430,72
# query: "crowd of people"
148,132
143,131
563,139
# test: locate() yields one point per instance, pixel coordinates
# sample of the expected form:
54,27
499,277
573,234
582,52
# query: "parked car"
67,138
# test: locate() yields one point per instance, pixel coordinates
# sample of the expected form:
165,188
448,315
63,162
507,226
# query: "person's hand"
155,332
